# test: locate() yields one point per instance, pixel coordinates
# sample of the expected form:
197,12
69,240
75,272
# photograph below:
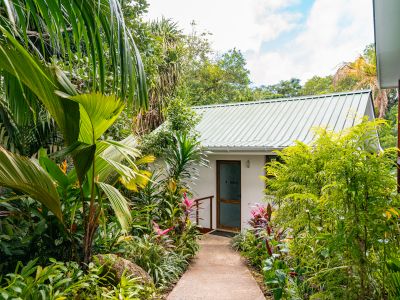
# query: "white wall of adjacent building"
252,186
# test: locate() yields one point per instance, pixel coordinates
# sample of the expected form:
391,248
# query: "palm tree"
164,80
82,119
363,72
92,28
33,35
97,165
66,32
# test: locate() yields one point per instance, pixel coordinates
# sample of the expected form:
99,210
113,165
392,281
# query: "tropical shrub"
29,232
251,247
61,280
167,239
265,248
96,165
165,252
337,197
155,254
179,119
72,200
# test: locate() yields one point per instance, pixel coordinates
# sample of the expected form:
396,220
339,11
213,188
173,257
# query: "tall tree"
221,80
283,89
164,62
318,85
363,72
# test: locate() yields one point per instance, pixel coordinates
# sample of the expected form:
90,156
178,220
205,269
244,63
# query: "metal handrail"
197,208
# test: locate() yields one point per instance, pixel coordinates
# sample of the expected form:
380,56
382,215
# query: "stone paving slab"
217,273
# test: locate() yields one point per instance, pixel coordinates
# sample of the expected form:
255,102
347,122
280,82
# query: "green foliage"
393,277
166,255
318,85
388,133
90,43
23,175
281,280
208,81
82,190
185,239
180,118
93,28
286,88
337,197
28,231
91,162
163,56
183,158
156,255
67,281
251,247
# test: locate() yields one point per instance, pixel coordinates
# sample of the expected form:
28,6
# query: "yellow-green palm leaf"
97,113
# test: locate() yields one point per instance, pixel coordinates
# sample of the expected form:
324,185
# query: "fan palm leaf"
97,113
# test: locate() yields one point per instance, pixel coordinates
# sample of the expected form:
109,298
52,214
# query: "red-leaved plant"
261,217
262,225
160,232
187,204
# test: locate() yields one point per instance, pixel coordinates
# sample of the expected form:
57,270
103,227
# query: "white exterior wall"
252,186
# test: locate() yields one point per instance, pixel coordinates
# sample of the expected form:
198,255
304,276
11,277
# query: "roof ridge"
320,96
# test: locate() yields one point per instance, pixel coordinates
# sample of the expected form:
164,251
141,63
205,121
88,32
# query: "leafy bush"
67,281
185,241
166,257
393,277
27,225
338,198
179,119
28,231
155,254
251,248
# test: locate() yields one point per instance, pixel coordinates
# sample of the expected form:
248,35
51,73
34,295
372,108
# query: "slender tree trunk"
90,230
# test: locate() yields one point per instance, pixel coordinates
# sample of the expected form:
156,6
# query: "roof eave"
214,149
387,51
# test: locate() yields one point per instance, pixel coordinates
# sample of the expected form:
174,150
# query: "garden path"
217,273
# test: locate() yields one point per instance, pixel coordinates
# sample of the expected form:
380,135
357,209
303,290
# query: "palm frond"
93,28
97,113
363,71
9,131
119,204
42,81
23,175
119,159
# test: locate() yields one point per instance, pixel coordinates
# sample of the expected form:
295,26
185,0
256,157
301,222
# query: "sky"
280,39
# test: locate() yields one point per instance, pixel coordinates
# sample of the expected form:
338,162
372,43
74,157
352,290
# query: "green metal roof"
277,123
